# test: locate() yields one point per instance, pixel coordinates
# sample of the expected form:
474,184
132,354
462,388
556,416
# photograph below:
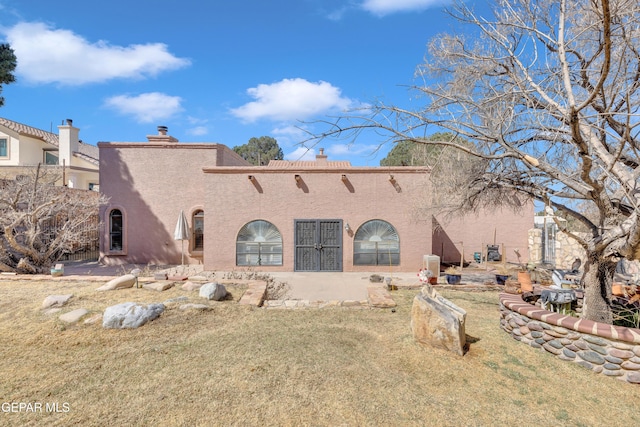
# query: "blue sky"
214,71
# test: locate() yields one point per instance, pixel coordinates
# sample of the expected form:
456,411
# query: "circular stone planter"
613,351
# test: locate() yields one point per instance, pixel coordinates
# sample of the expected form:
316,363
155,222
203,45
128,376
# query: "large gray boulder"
437,322
213,291
122,282
130,315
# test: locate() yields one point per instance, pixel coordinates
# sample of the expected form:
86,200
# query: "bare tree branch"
40,222
546,96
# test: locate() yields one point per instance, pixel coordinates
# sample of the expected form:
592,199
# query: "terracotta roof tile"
85,151
49,137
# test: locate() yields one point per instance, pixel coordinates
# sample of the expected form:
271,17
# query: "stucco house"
320,215
24,146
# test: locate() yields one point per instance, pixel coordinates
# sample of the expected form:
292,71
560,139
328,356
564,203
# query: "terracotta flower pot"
525,281
617,289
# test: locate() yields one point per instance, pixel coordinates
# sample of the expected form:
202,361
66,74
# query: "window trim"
377,254
108,250
50,150
6,148
192,245
260,244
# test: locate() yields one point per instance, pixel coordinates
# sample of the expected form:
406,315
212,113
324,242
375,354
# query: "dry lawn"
238,365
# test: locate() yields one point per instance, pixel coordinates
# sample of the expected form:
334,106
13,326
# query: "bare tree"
548,92
40,222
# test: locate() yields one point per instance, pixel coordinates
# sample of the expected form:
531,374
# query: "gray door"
318,245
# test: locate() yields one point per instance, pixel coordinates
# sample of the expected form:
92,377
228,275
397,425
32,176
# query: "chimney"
321,157
162,136
67,142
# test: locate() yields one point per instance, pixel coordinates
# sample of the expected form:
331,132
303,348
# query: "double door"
318,245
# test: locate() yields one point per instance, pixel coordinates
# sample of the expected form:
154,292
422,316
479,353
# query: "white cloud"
351,149
293,132
386,7
47,55
198,131
291,99
337,14
301,153
198,127
146,107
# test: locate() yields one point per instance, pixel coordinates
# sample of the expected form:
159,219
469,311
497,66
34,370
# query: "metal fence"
88,246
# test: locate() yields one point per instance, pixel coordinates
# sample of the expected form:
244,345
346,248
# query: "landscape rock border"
608,350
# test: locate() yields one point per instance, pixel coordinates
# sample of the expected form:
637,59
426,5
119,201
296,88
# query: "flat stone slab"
379,297
73,316
56,300
437,322
93,319
198,307
176,300
191,286
158,286
255,293
122,282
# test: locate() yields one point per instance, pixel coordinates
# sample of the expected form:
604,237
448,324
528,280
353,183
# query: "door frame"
318,246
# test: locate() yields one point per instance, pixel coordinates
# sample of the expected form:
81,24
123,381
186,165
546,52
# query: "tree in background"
408,153
8,64
548,93
40,222
401,155
258,151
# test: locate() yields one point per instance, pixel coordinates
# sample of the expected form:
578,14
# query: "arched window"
376,243
259,243
198,230
116,230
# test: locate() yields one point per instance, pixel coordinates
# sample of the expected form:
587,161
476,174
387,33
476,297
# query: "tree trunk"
597,279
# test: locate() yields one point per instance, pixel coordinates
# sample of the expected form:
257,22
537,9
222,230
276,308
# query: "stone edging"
605,349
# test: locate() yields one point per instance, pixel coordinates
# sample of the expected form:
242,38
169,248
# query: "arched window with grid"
259,243
376,243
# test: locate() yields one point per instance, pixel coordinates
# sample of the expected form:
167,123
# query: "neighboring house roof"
87,152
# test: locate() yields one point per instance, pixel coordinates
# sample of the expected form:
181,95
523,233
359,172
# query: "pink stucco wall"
275,196
473,232
150,184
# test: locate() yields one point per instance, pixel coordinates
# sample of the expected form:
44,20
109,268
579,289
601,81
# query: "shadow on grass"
469,340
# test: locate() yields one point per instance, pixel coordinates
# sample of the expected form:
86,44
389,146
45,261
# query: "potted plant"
453,275
524,276
502,274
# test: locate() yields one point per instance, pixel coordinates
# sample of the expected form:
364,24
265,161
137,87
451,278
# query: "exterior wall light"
344,178
347,227
251,178
298,178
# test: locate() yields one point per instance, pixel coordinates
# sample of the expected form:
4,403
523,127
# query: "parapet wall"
608,350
